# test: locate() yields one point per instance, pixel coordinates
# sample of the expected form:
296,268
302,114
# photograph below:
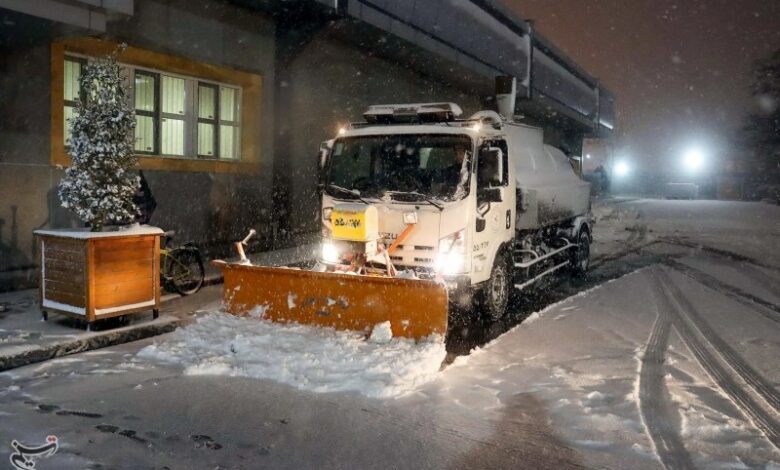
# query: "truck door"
494,220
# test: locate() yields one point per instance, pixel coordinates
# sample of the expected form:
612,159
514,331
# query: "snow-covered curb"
120,231
308,358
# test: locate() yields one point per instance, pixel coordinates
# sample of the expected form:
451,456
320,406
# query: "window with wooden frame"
167,123
146,92
71,92
191,116
218,121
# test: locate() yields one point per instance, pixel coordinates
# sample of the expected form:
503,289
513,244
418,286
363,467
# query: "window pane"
72,74
173,137
205,139
227,104
228,142
144,92
144,133
173,95
207,97
70,112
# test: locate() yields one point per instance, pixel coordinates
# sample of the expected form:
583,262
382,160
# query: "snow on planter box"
96,275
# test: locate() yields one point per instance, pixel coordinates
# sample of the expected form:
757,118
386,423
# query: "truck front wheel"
580,256
494,295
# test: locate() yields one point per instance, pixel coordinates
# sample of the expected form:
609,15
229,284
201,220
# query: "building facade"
233,98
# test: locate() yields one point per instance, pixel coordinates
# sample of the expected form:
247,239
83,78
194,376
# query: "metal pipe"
536,255
528,264
545,273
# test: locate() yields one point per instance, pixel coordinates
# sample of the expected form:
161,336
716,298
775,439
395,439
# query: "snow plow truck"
424,213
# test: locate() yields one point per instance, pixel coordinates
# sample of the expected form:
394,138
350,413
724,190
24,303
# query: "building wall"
210,208
25,173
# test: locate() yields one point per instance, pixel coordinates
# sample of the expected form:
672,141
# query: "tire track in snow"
765,308
654,404
765,280
695,333
718,251
752,271
759,384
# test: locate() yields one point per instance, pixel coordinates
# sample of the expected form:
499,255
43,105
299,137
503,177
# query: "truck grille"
415,247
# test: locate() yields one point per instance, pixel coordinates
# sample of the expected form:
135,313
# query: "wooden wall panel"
123,269
63,274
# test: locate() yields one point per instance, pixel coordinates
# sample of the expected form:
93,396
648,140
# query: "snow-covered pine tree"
100,184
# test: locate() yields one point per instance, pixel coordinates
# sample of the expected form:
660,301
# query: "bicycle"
181,268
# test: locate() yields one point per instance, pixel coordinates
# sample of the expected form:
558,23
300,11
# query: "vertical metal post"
529,44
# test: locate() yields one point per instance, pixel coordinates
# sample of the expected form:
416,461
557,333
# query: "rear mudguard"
414,308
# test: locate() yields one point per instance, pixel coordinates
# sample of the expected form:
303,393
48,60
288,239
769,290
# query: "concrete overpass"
482,37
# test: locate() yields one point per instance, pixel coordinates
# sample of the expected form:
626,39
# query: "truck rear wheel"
580,256
494,296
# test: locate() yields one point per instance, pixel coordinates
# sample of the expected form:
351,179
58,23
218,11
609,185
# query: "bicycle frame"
166,264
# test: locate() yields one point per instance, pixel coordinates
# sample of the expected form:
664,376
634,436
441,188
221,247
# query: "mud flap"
415,308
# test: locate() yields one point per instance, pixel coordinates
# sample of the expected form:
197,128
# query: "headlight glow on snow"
330,253
452,253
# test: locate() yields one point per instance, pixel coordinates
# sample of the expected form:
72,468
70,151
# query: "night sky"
680,69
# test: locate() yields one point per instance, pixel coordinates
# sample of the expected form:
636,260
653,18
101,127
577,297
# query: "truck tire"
494,295
580,256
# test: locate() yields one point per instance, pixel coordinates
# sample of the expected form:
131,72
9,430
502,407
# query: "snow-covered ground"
746,228
305,357
673,365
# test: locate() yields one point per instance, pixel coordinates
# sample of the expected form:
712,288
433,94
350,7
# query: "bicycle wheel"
185,271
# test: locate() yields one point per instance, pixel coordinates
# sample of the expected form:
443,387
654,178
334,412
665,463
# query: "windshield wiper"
424,197
351,192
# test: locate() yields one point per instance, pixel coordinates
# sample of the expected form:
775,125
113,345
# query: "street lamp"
693,159
622,168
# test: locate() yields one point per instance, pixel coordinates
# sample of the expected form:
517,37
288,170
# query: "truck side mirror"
322,162
490,167
324,151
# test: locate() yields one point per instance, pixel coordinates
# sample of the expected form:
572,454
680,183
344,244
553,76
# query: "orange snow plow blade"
415,308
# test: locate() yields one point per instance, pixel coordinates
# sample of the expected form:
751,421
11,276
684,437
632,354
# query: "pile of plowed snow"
308,358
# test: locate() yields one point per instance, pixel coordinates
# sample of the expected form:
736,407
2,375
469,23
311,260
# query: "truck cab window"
420,165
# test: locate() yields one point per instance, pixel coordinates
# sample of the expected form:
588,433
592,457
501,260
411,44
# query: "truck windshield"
421,165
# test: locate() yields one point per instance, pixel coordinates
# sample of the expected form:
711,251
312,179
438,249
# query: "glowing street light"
693,159
622,168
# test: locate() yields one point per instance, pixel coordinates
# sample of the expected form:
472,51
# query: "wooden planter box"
95,275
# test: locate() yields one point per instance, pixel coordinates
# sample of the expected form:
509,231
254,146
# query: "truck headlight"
452,253
450,263
330,253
